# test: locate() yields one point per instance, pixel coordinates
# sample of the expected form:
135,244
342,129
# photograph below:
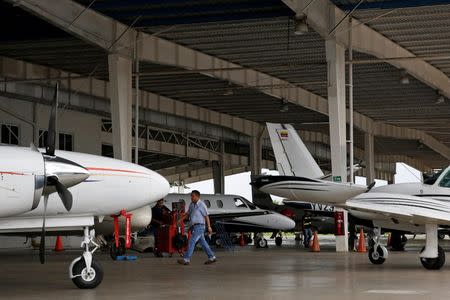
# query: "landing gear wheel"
218,242
261,243
117,251
87,280
376,256
398,241
434,263
278,241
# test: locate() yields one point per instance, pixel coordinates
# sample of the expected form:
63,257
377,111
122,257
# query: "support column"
218,177
120,78
369,157
255,155
335,54
219,172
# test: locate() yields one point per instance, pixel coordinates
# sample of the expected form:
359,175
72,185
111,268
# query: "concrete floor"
275,273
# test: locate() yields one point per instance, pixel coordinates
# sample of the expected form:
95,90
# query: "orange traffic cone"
362,242
242,240
315,247
58,244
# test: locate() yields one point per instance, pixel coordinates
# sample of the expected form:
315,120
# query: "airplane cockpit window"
432,178
239,203
249,204
219,203
445,182
208,203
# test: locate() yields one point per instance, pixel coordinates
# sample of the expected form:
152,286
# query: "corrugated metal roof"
270,46
265,43
171,12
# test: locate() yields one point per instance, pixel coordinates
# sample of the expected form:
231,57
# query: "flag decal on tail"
284,134
291,154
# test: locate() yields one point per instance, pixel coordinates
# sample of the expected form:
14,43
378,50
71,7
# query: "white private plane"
237,214
416,207
77,189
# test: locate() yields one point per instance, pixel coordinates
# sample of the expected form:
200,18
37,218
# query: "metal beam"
113,36
367,40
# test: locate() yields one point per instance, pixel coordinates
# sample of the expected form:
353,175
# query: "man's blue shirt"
197,212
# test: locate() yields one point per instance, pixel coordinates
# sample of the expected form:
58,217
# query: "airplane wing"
412,209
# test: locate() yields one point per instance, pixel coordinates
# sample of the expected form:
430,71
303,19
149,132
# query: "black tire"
278,241
377,258
434,263
398,241
218,242
80,282
157,253
179,241
121,250
261,243
441,235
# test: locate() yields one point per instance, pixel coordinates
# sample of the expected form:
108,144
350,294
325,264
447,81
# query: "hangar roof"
260,35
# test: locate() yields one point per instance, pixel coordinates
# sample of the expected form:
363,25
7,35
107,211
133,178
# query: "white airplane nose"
160,185
285,223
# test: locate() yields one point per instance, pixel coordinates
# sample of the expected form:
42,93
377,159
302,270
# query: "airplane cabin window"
249,204
219,203
239,203
445,182
208,203
432,178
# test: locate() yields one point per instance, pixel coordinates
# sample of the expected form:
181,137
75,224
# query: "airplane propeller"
63,192
52,180
42,242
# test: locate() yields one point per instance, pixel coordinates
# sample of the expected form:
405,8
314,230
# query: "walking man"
198,220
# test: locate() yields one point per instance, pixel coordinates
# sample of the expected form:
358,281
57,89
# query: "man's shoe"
210,261
183,262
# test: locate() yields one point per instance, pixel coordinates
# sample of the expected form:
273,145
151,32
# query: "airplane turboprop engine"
20,192
22,180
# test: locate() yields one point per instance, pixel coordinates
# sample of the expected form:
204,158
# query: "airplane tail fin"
291,154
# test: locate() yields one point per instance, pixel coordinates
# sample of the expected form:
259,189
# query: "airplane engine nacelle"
21,180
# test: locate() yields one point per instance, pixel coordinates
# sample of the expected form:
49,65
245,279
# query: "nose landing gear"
377,252
84,271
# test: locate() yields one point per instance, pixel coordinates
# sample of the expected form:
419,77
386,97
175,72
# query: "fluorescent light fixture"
440,99
284,106
300,25
404,78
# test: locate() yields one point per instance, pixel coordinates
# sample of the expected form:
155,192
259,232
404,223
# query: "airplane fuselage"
113,185
306,189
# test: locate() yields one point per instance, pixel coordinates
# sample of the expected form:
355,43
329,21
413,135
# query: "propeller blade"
42,243
370,186
51,134
64,194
